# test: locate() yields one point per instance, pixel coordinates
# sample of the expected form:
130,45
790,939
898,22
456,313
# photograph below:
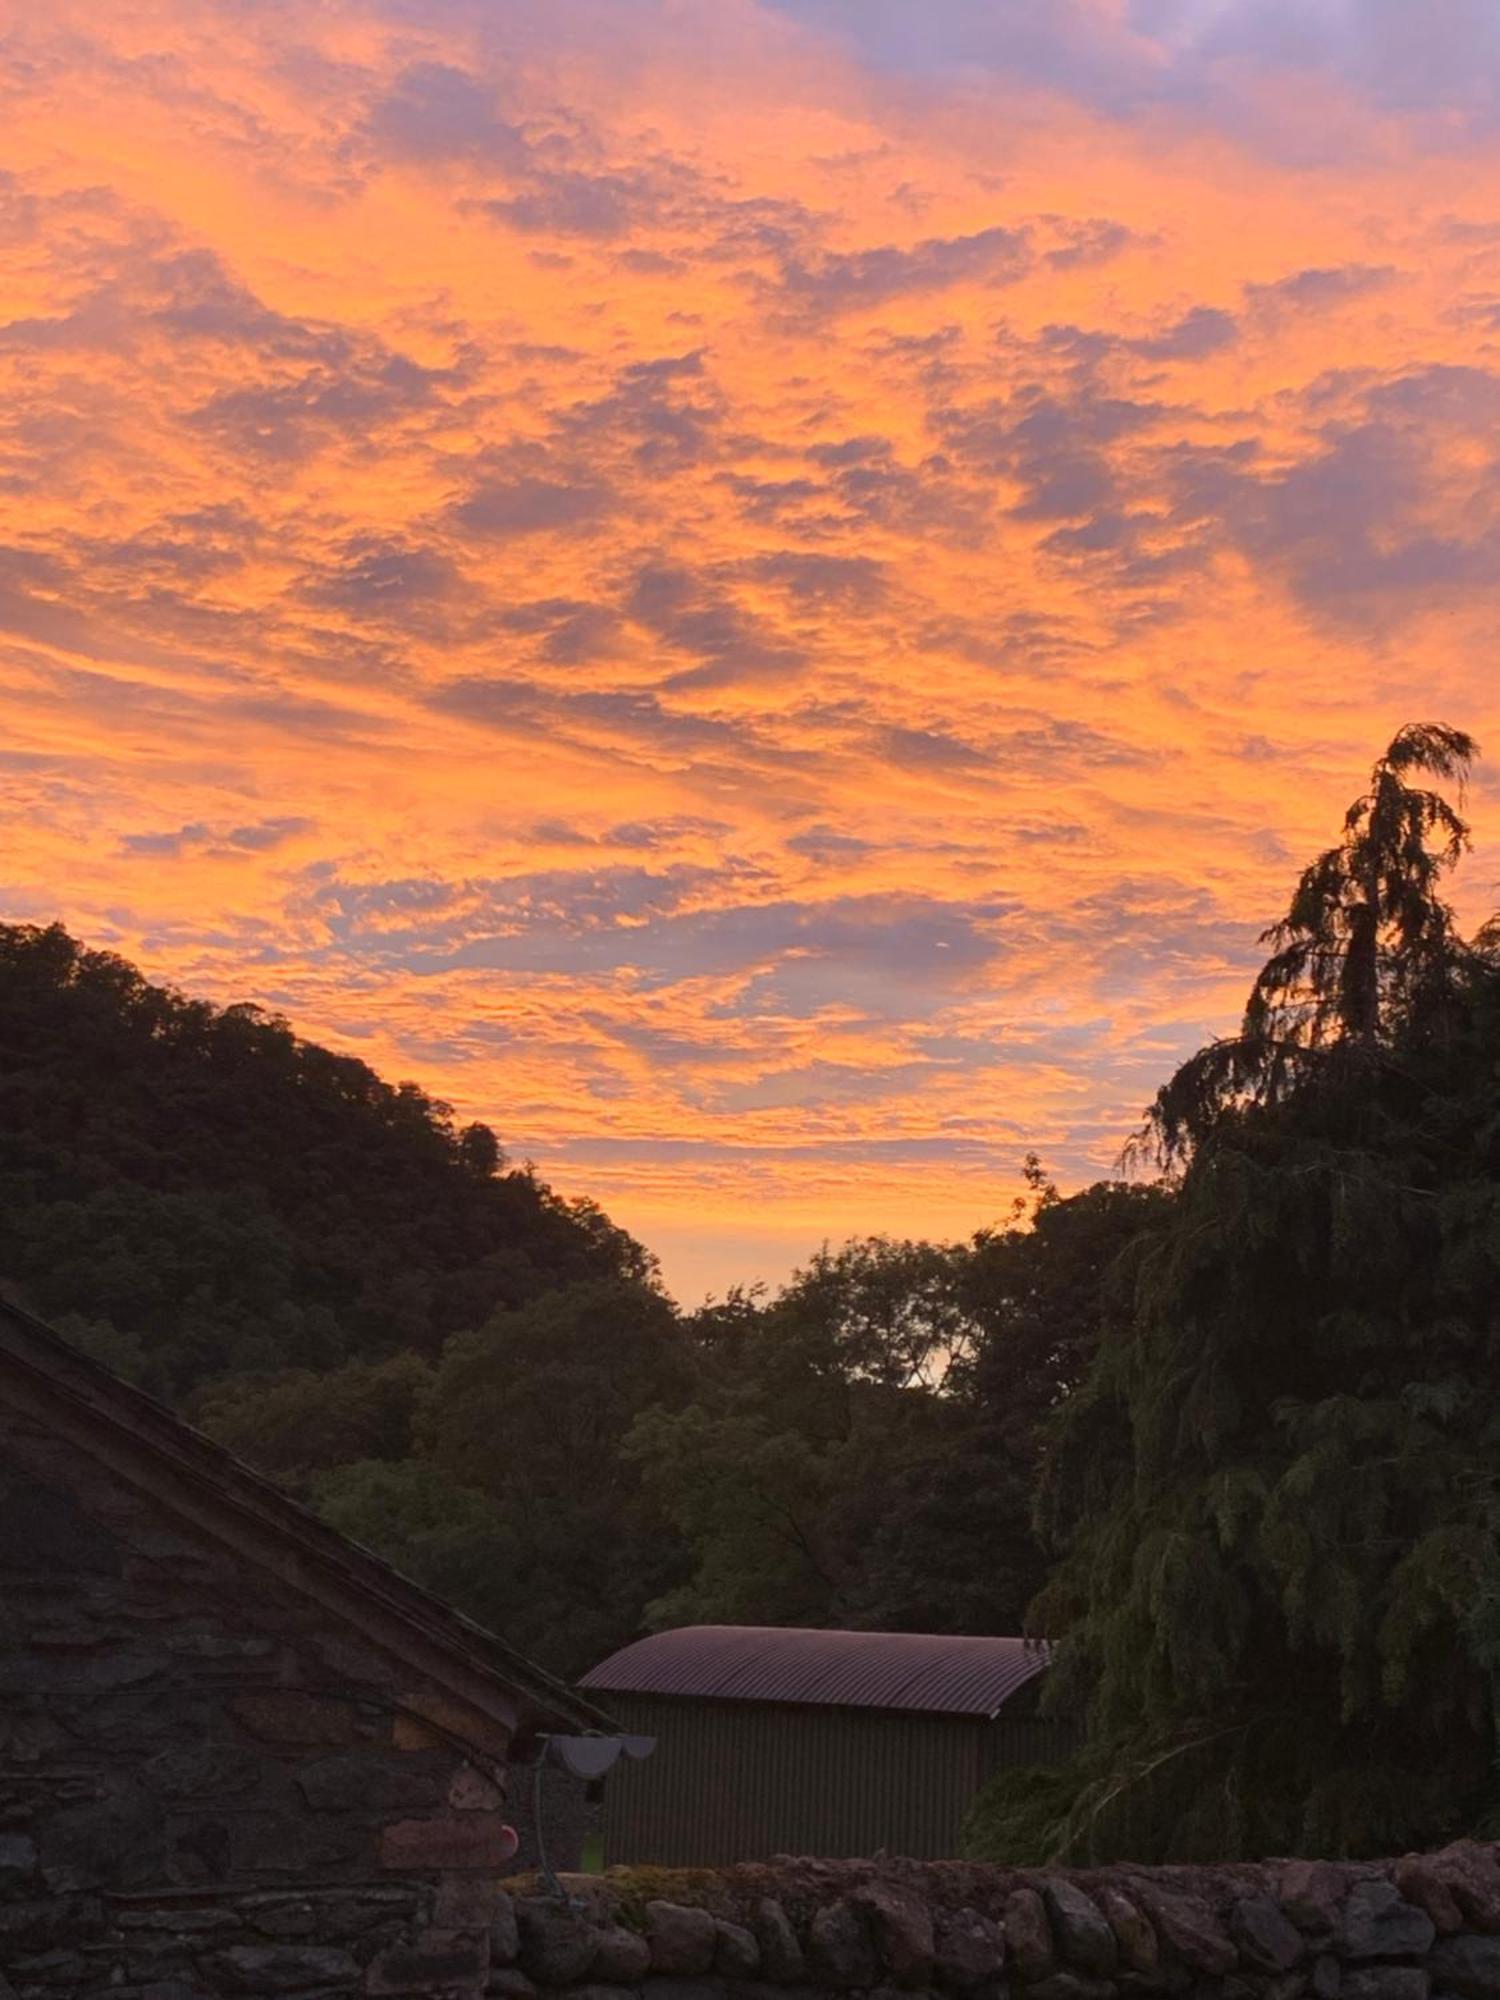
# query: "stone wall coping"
1278,1929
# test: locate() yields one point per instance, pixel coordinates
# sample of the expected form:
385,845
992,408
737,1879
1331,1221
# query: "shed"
780,1740
238,1753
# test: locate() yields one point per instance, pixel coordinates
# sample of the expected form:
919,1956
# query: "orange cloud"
769,611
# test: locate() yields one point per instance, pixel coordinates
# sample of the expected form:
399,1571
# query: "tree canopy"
1366,954
1274,1499
1231,1434
198,1192
862,1449
485,1382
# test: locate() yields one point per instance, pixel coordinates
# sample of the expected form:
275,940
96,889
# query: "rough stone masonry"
238,1756
1418,1928
241,1759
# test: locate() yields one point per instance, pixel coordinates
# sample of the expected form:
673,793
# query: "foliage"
484,1383
1366,954
531,1412
1015,1817
1036,1292
201,1188
294,1424
1251,1411
879,1311
862,1449
443,1535
1274,1498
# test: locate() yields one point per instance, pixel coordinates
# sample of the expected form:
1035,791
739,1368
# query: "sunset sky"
765,594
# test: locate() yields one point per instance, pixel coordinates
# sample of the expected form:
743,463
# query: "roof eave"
360,1588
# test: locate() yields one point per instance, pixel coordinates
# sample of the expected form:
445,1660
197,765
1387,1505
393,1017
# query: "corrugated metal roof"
925,1672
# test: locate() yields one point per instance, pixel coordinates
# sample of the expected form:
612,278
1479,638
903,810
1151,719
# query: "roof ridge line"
198,1458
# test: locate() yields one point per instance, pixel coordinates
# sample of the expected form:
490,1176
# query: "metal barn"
775,1740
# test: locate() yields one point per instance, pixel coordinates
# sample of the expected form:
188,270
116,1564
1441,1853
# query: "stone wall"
1419,1928
211,1789
207,1788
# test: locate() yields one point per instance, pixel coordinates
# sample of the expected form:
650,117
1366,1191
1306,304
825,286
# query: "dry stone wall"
1425,1927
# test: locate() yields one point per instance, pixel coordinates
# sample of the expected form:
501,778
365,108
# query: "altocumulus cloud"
847,945
749,626
258,838
1207,55
852,280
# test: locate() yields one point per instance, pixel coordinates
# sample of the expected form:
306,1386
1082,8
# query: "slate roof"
920,1672
313,1552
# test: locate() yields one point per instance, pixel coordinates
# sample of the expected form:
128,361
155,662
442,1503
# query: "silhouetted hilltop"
194,1190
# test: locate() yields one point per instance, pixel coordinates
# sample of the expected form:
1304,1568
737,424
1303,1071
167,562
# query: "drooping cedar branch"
1367,949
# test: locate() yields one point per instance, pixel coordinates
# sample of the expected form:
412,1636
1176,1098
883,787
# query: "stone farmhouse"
238,1755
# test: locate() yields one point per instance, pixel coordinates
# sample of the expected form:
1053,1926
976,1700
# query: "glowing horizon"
765,598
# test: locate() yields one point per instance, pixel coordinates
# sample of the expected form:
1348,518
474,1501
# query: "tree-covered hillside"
1230,1432
194,1191
485,1382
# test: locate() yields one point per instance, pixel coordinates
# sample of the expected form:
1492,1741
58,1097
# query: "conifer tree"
1276,1499
1366,952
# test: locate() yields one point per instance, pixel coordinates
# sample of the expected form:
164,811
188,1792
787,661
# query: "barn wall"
205,1788
741,1781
